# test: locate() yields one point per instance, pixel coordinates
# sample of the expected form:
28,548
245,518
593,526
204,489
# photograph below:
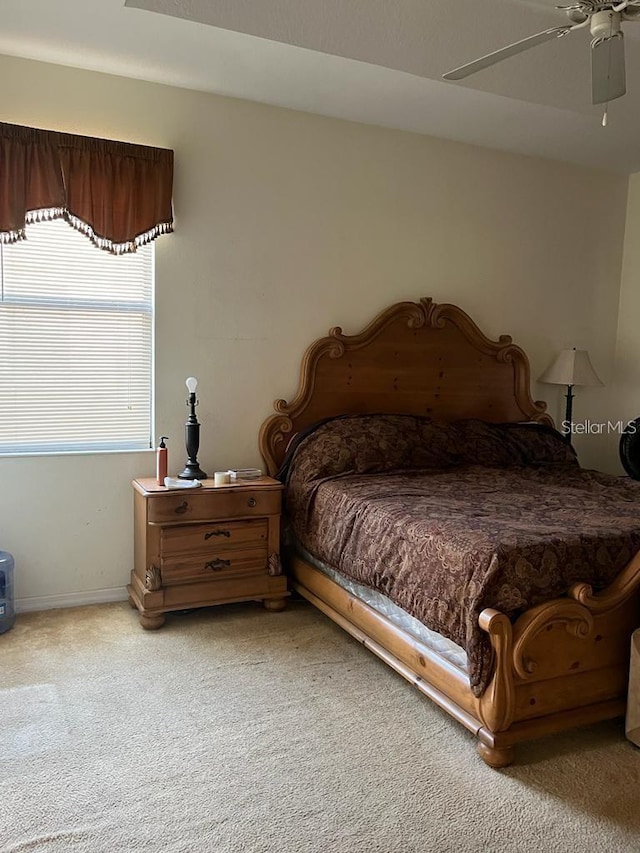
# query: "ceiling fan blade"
608,79
505,52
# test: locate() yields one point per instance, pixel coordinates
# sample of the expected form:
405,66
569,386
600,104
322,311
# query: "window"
76,344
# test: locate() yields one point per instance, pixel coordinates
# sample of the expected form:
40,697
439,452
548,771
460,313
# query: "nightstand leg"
152,623
275,604
496,756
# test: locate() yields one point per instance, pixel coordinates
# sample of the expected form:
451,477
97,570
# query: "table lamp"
192,470
570,367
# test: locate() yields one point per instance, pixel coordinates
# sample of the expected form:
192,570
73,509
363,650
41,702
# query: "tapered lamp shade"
571,367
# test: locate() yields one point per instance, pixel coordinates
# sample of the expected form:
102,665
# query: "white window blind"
76,344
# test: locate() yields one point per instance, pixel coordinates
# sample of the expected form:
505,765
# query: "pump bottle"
162,461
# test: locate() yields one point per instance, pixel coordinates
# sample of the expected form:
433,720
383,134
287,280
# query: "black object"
192,470
568,415
630,449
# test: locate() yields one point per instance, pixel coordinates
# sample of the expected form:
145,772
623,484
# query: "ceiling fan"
607,45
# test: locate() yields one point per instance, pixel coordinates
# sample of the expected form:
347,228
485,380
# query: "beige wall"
624,394
287,224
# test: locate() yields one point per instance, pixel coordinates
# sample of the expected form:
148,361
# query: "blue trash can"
7,613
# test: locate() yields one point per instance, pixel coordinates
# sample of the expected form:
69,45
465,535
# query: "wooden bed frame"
560,664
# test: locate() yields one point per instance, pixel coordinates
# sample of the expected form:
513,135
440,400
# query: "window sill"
48,454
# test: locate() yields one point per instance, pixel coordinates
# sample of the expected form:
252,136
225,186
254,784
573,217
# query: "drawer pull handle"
226,533
184,506
217,564
252,502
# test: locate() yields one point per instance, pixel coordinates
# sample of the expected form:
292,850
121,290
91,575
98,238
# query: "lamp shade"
571,367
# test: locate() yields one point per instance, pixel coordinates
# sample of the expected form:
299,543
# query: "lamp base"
568,415
192,471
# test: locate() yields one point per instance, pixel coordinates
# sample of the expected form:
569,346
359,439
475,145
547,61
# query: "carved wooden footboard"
561,664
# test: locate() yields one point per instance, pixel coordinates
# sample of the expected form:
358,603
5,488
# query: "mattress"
444,647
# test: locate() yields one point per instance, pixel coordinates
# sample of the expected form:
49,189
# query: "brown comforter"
492,516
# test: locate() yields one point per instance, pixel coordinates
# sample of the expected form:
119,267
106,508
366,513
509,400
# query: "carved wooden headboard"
415,358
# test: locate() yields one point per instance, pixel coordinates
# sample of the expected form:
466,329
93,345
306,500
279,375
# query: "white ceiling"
376,61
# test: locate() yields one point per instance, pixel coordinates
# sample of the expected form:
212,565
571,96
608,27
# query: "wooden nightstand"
211,545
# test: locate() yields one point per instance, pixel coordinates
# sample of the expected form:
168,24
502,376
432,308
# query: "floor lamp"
570,367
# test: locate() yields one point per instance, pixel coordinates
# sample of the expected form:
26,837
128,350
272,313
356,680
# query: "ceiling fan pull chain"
605,117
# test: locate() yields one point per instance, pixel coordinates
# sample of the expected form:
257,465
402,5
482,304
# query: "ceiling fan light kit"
608,79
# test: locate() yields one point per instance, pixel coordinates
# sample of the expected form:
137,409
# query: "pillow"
540,444
504,445
359,444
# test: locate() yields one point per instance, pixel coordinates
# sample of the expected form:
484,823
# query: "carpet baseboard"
70,599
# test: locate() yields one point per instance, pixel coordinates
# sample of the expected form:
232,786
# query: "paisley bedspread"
447,520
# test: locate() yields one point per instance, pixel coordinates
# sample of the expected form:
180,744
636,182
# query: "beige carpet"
234,729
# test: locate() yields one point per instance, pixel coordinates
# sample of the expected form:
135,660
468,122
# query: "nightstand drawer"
222,564
211,505
213,538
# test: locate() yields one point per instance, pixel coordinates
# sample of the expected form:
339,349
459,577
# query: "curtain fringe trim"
49,214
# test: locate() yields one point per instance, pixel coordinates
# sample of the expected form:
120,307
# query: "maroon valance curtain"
116,193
